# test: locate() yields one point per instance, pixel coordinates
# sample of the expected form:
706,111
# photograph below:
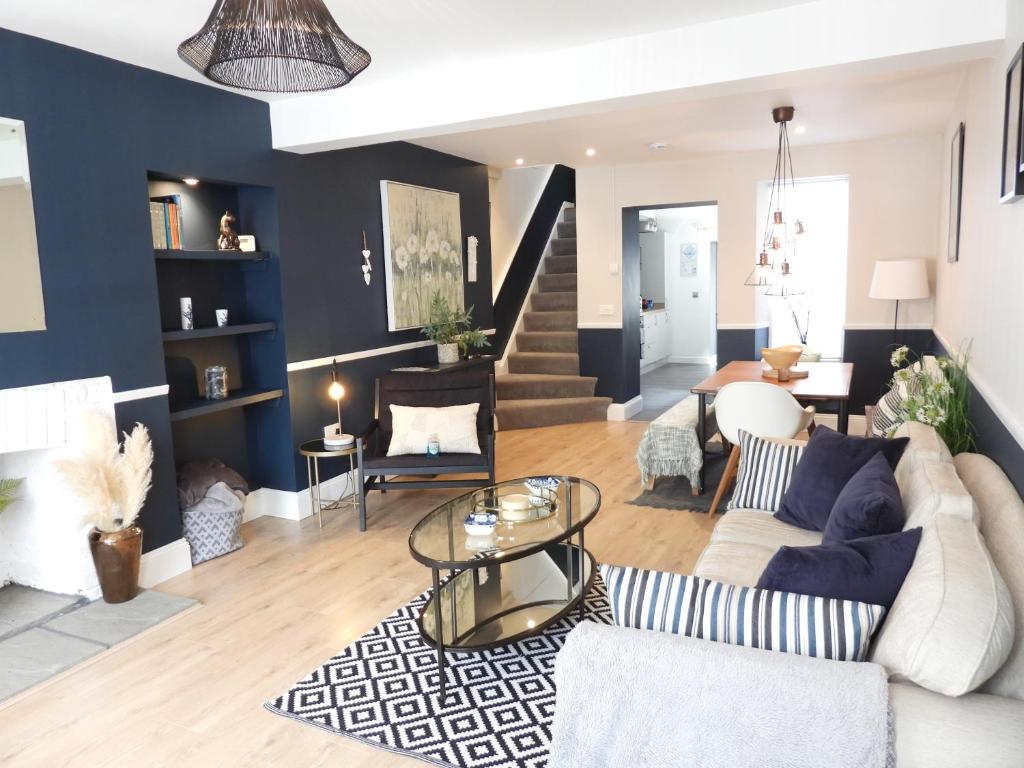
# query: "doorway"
677,260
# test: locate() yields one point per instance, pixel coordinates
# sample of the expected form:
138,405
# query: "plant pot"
810,357
116,556
448,353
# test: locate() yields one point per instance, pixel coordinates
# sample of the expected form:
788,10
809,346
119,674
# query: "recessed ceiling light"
519,161
191,181
591,151
800,129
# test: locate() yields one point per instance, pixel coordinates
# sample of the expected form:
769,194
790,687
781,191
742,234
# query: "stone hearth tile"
21,606
37,654
111,623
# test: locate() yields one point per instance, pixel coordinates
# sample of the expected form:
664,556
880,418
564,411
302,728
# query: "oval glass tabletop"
530,513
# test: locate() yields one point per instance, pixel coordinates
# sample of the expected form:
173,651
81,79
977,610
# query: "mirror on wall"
21,289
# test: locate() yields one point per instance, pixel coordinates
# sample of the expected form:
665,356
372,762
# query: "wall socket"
606,309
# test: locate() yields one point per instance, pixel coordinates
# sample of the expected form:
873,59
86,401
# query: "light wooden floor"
191,692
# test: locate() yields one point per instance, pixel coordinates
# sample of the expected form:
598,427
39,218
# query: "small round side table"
314,450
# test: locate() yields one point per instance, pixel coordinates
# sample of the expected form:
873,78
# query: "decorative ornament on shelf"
778,246
452,330
281,46
187,319
227,239
334,437
367,267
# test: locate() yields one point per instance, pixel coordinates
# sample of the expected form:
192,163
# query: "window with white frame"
814,317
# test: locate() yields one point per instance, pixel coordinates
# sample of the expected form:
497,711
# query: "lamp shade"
900,279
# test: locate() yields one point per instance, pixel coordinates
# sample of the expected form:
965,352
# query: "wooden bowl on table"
780,361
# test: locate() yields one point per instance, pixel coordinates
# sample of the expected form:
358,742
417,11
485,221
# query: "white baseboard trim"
609,325
648,367
627,410
165,563
293,505
695,360
886,327
742,326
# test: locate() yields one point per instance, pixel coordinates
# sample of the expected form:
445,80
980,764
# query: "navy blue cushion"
870,570
828,463
868,505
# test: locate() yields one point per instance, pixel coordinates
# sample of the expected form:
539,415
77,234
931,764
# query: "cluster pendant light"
283,46
772,269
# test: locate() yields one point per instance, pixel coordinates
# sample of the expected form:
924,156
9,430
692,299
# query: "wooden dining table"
826,382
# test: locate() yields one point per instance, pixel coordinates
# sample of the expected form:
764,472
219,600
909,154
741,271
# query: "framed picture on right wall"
956,186
1011,185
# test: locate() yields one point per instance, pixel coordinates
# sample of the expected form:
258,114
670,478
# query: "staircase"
543,385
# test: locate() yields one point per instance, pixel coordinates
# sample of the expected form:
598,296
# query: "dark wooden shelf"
237,399
179,254
228,330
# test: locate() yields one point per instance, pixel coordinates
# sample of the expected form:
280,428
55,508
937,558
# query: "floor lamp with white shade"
900,280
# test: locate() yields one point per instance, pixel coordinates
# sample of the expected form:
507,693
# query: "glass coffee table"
512,583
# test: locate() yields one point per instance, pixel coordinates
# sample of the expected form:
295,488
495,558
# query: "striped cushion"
886,416
757,618
766,467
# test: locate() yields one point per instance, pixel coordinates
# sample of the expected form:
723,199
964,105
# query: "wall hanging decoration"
227,240
422,252
283,46
367,267
1011,186
773,269
956,183
688,260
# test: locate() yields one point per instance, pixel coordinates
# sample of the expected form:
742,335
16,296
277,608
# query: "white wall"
514,196
691,318
979,298
895,194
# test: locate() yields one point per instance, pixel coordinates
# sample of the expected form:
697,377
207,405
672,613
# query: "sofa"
966,506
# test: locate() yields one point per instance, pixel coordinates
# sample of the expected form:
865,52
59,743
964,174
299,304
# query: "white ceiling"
852,109
399,34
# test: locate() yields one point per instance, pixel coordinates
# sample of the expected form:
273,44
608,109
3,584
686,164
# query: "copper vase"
116,556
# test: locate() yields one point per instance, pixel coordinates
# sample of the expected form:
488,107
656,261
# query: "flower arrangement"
937,397
453,326
8,485
111,481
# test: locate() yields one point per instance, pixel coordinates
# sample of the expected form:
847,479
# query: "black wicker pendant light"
283,46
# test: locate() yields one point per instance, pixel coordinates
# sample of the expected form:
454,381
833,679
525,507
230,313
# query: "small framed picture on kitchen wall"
1012,183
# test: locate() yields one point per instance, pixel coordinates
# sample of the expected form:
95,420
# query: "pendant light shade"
283,46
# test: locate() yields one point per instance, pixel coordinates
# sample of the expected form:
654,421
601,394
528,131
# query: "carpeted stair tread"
560,265
553,301
561,246
557,283
547,341
546,412
541,386
567,363
569,214
549,321
567,229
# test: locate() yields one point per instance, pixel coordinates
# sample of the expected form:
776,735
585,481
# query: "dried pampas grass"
110,482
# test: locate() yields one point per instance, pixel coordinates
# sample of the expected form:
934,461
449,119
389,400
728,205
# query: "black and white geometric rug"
383,690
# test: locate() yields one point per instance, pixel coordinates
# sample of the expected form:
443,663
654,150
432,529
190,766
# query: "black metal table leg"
439,631
844,417
702,401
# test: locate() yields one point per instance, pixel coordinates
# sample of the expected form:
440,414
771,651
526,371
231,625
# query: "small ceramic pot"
116,556
448,353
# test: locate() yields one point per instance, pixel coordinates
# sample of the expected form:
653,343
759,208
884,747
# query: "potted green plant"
112,481
452,330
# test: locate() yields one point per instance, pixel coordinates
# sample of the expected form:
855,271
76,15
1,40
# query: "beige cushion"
934,731
454,426
951,625
733,562
755,526
925,444
1001,519
934,488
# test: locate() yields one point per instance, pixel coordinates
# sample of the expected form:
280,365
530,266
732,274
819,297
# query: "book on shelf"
166,221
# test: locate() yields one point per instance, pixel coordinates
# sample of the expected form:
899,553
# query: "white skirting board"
164,563
627,410
293,505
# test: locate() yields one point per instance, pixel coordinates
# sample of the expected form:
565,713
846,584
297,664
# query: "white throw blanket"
643,699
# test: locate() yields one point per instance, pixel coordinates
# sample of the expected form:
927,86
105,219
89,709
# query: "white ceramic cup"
222,318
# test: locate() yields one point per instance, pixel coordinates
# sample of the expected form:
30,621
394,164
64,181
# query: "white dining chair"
762,409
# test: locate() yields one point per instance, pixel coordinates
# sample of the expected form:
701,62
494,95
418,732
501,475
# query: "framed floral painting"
422,251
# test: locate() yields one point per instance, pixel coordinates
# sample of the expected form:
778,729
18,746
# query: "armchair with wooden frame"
426,389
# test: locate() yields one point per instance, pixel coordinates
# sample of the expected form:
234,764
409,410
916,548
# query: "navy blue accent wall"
560,189
600,351
740,344
326,201
630,304
95,127
869,351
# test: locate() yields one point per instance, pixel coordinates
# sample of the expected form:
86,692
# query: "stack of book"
165,220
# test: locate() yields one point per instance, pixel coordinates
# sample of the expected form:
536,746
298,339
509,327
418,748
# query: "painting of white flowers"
422,251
